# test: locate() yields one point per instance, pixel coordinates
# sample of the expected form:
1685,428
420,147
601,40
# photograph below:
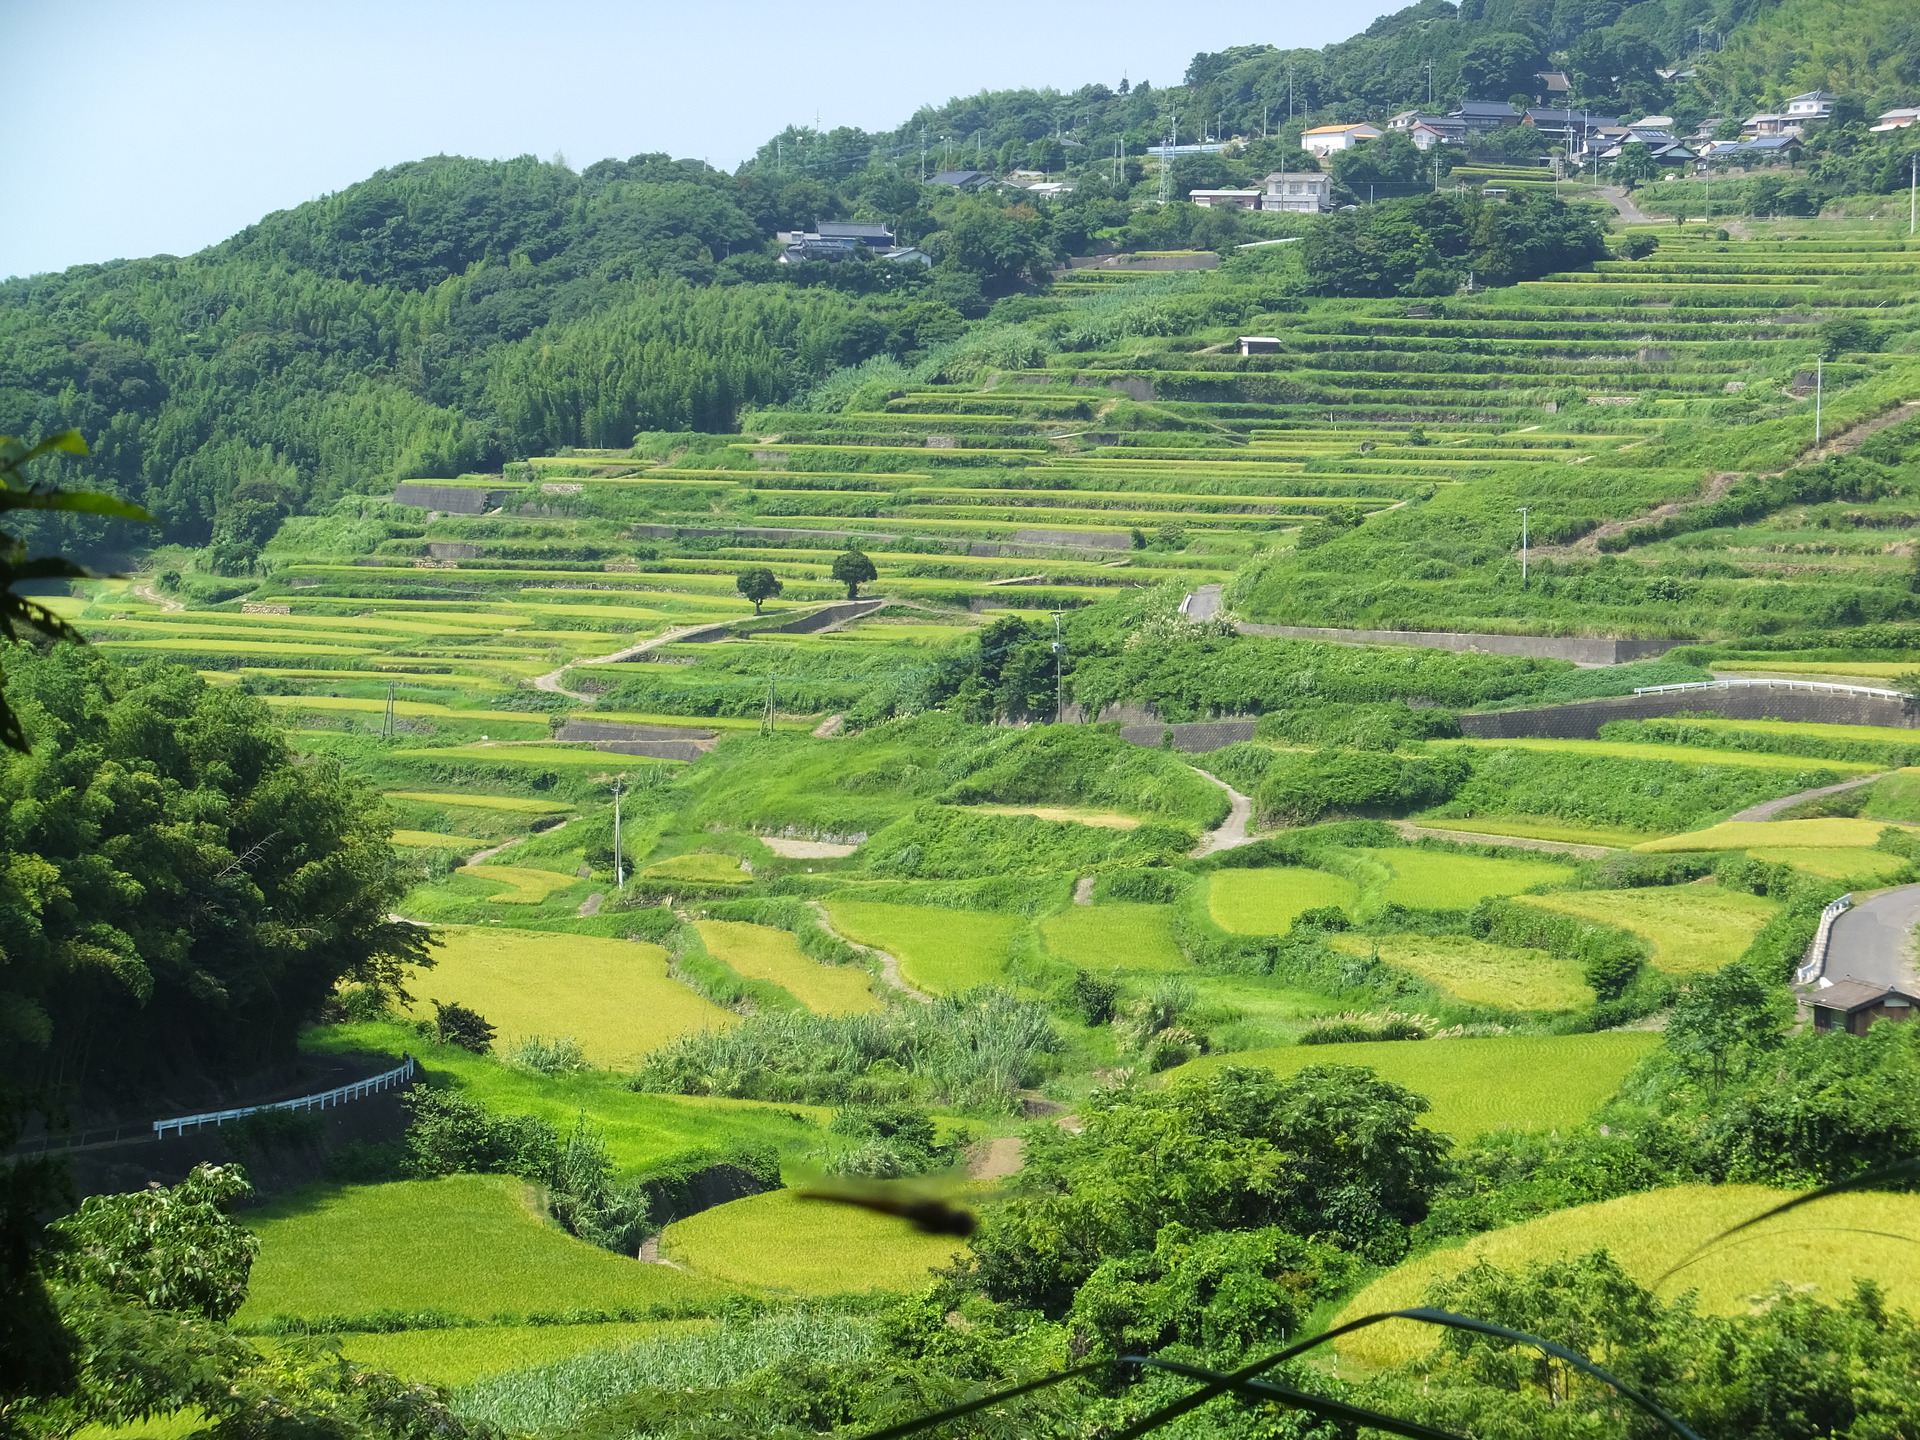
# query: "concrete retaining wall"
752,532
1195,737
1579,649
654,749
826,615
448,499
1583,719
598,730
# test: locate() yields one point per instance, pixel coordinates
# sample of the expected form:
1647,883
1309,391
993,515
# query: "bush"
169,1249
896,1141
1298,790
448,1134
455,1024
538,1055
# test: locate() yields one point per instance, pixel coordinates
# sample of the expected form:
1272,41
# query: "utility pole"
619,856
1913,188
923,154
1059,701
1429,82
1819,393
387,726
1523,547
766,716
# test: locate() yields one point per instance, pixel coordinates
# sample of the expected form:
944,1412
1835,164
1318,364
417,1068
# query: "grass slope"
1510,1082
468,1244
782,1242
459,1357
1820,1246
613,996
1694,928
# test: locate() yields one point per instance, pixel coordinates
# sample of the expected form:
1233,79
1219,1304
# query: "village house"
1852,1005
1302,191
1226,199
1324,140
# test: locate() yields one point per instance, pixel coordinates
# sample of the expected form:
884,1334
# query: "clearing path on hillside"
1767,809
889,964
1233,830
551,681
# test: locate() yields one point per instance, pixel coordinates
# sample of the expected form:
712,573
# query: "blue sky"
161,127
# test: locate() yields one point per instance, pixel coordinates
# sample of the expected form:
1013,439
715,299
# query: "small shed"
1852,1005
1259,344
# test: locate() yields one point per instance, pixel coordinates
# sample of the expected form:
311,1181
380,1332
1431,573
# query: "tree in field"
1723,1020
853,569
759,584
171,1249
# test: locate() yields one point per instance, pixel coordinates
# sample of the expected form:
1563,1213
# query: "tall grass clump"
976,1051
557,1397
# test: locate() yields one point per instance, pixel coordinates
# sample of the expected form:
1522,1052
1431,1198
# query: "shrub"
896,1141
455,1024
1298,790
584,1198
170,1249
538,1055
448,1134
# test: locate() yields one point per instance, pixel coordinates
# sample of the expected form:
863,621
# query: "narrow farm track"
1843,442
889,964
1622,201
485,855
1411,831
551,681
1232,833
1767,809
146,592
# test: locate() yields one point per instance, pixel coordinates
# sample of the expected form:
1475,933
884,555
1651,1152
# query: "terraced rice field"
1830,833
511,803
1823,1247
1434,880
525,886
1509,1082
942,951
1538,827
1115,936
1836,863
1694,929
1266,902
1688,754
613,996
760,952
1479,973
467,1244
779,1241
704,866
459,1357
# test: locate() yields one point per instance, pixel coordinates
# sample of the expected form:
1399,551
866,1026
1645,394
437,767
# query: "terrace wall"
1582,719
448,499
1579,649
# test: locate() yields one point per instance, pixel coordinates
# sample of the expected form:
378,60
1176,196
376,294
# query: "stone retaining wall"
1582,720
448,499
1579,649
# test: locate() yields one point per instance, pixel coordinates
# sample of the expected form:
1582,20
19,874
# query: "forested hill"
451,315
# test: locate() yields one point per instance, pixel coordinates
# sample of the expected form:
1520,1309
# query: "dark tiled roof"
1850,995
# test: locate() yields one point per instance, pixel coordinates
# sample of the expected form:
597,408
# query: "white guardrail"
1827,685
1816,960
339,1095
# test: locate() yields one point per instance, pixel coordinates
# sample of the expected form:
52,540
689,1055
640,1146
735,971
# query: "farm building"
1852,1005
1305,191
837,239
1324,140
1226,199
1483,115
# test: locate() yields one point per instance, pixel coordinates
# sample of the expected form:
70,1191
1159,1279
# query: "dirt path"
1232,833
146,592
996,1159
1767,809
485,855
551,681
889,965
1841,442
1083,890
1411,831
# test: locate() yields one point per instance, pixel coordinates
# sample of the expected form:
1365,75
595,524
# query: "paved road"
1204,603
1767,809
1874,940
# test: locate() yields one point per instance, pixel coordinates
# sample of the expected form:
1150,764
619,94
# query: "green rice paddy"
942,951
1434,880
1823,1247
781,1242
1478,972
459,1357
1504,1083
1115,936
482,802
1694,929
613,996
468,1244
760,952
703,865
1267,901
525,886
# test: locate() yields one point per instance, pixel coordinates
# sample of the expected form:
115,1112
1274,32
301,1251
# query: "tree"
1724,1020
853,569
1636,164
455,1024
758,584
21,617
1502,64
174,1249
